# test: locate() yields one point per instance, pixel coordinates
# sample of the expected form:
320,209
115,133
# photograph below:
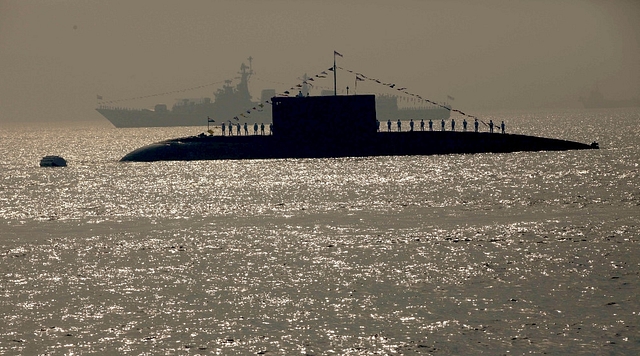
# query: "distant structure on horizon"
597,100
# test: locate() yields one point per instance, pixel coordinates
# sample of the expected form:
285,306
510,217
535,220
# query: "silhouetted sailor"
464,125
453,124
271,128
230,129
223,129
246,130
300,94
475,123
255,128
399,125
430,125
411,125
442,124
491,126
389,125
261,129
378,125
238,129
422,125
502,126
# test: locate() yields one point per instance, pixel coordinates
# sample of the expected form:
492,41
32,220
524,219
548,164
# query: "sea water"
530,252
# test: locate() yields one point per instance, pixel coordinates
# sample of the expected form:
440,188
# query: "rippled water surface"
457,254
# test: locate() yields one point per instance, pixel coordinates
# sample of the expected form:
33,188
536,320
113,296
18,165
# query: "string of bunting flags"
258,108
362,77
359,77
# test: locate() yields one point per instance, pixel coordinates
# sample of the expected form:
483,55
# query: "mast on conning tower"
304,87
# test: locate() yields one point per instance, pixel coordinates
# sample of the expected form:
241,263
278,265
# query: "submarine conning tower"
325,125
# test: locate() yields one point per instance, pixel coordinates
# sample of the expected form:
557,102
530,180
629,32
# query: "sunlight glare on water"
455,254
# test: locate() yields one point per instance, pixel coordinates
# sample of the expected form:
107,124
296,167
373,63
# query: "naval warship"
234,104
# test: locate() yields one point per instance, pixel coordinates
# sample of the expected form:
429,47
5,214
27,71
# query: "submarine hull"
381,144
337,126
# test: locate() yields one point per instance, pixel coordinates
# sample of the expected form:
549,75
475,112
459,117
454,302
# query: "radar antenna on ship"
243,69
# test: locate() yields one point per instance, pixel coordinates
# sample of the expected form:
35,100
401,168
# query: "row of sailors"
411,124
442,124
246,129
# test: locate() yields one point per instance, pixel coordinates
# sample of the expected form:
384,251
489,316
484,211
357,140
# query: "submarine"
339,126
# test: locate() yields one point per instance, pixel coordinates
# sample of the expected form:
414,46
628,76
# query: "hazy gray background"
56,56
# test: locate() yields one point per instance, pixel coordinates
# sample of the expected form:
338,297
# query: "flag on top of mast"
336,53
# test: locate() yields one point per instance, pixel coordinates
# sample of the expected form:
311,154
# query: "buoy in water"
53,161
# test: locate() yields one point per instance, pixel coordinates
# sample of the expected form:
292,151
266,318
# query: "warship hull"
127,118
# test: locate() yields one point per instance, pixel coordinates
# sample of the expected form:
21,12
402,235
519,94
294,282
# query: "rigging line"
323,75
268,81
160,94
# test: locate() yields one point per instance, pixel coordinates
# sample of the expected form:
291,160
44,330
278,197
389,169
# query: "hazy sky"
56,56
